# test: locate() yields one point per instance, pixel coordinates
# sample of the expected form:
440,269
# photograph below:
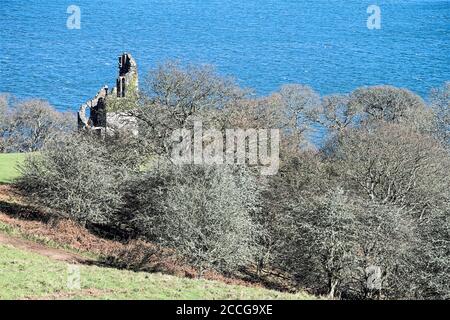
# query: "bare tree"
391,104
395,164
173,93
31,123
335,113
298,100
433,273
3,121
440,103
372,202
328,241
203,212
187,89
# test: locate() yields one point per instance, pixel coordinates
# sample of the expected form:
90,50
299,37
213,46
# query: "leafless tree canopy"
373,200
25,126
388,103
440,103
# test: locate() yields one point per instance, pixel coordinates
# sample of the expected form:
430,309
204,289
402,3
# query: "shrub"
204,213
75,176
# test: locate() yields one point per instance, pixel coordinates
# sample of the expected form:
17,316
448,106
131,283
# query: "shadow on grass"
23,212
267,279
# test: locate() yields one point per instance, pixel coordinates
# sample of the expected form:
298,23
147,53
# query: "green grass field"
8,166
25,275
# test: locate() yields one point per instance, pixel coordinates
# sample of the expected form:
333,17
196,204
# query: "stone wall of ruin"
126,85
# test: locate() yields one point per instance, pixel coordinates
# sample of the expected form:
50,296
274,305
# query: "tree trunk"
332,286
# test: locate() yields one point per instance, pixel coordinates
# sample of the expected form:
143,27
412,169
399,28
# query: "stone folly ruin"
104,115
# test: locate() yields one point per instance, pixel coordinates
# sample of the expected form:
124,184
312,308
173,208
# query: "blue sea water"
262,43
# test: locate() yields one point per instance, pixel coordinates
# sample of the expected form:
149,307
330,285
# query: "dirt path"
32,226
56,254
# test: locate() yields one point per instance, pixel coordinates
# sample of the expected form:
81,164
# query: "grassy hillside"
8,166
28,275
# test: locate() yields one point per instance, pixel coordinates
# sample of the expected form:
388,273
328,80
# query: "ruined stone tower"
100,118
127,78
